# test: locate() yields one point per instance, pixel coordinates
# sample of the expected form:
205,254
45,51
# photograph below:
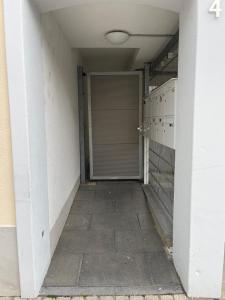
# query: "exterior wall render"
199,208
61,115
7,204
9,274
37,229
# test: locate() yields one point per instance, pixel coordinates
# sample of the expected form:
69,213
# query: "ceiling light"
117,37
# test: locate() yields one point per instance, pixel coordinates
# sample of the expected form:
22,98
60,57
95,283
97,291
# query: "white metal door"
115,113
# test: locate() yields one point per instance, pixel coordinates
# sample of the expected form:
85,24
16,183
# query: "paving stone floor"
126,297
109,246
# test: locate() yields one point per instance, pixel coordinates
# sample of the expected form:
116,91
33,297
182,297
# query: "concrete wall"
9,275
62,122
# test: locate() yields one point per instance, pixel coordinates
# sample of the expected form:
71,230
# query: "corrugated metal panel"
119,160
115,118
115,126
115,92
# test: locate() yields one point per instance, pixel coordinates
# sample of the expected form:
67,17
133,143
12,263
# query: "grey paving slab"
109,183
122,195
64,270
152,289
110,227
116,221
77,291
105,185
118,185
131,205
85,195
112,269
146,221
149,290
139,241
114,193
78,221
88,187
129,185
104,195
90,241
159,268
90,206
138,196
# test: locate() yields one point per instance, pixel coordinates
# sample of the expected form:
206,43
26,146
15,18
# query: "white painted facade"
199,208
61,116
42,189
36,113
26,94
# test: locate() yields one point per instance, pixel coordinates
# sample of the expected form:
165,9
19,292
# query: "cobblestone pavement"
146,297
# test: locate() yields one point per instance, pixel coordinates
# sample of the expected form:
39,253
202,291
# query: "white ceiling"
85,26
107,59
50,5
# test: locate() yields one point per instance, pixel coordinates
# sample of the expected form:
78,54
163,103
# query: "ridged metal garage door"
114,115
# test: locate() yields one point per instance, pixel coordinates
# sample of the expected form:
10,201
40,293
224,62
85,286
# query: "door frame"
92,177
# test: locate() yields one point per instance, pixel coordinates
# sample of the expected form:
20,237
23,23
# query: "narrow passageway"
110,246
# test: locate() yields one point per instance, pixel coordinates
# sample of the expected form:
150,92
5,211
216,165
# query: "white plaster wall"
184,140
30,109
7,203
61,115
199,208
26,98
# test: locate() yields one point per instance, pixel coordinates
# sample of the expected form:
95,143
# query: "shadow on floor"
109,246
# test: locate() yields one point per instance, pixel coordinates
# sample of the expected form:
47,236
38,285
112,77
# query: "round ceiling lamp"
117,37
